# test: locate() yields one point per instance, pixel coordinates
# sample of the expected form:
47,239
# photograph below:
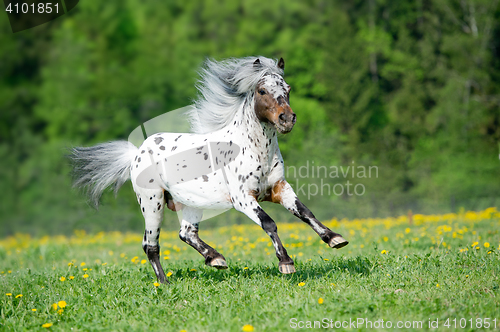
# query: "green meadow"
427,269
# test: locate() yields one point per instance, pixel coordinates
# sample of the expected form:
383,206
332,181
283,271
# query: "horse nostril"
282,117
294,118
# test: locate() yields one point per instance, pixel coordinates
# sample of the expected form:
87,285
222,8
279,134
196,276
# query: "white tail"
98,167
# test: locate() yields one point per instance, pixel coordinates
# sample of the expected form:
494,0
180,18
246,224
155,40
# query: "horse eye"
262,92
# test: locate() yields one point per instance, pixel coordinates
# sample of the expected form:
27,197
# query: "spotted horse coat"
232,160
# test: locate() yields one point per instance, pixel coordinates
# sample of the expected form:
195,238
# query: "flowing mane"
223,88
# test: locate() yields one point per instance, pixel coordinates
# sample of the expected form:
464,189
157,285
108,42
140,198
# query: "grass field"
439,267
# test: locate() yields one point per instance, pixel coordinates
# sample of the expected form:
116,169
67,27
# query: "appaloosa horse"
231,160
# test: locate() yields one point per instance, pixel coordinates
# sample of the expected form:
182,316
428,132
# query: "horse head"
272,101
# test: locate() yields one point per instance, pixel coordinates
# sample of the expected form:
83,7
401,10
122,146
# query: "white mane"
223,87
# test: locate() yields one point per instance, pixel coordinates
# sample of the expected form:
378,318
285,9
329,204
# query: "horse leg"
189,233
256,213
283,193
152,202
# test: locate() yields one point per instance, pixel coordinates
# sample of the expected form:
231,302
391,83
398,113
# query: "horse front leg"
253,210
283,193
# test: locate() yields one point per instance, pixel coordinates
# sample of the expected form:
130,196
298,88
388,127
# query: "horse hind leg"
189,234
152,204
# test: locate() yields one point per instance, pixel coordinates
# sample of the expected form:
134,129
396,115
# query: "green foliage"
409,87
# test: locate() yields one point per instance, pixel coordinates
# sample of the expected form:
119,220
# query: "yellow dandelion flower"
407,230
169,273
33,310
85,275
9,271
474,244
386,239
19,295
47,325
467,276
245,268
302,284
71,264
326,259
156,284
182,331
8,294
60,311
54,306
85,269
143,261
61,304
247,328
82,264
71,277
437,285
166,257
320,300
486,244
104,264
62,279
192,270
383,252
111,253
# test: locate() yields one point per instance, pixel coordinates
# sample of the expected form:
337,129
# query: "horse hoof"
219,263
338,242
287,268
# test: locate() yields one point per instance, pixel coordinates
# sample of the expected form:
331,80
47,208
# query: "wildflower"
9,271
320,300
383,252
85,269
192,270
54,306
407,230
71,264
111,253
437,285
8,294
61,304
467,276
326,259
19,295
245,268
60,311
143,261
71,277
82,264
156,284
62,279
247,328
166,257
85,275
104,264
47,325
302,284
169,273
486,244
33,310
474,244
386,239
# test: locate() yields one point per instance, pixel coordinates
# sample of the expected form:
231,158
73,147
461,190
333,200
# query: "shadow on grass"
359,266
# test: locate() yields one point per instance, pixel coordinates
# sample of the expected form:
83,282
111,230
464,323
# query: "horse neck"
256,137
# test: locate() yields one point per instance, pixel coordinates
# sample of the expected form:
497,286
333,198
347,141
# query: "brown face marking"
272,105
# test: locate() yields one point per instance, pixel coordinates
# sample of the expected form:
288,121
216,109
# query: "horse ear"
281,64
256,63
